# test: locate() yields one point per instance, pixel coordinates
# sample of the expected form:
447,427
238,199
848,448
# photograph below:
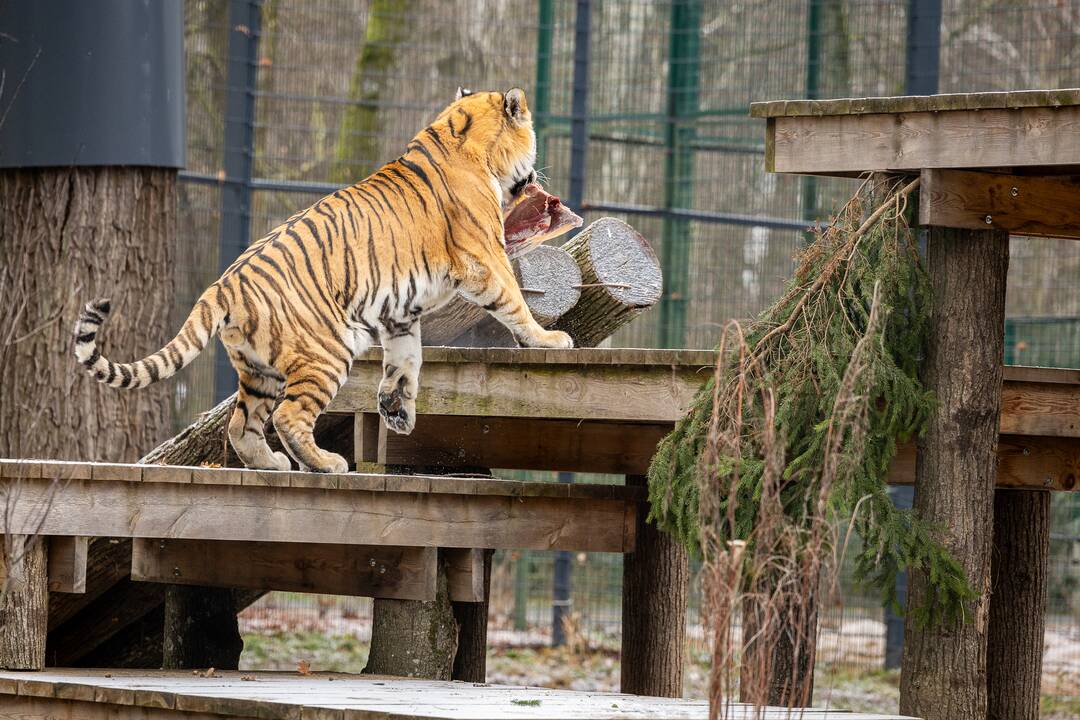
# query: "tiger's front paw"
398,410
555,339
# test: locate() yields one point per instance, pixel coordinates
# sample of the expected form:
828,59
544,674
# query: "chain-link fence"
641,112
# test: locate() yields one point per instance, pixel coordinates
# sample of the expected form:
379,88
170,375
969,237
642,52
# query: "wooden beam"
641,393
448,442
1036,206
1023,462
67,563
414,515
367,571
848,144
465,574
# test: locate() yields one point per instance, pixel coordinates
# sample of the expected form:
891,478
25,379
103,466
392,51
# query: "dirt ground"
596,670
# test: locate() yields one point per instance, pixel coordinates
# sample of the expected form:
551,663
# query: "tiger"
361,265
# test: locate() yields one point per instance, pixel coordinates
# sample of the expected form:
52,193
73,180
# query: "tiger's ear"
462,92
515,105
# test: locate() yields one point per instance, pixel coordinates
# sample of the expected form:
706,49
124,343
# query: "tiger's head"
496,129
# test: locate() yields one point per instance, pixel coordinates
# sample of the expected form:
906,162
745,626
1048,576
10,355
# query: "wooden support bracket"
360,570
1022,205
67,563
406,573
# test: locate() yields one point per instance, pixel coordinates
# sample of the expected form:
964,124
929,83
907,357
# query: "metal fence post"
241,78
560,586
808,189
542,92
579,104
921,78
684,70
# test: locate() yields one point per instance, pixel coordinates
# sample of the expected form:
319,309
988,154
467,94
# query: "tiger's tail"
201,325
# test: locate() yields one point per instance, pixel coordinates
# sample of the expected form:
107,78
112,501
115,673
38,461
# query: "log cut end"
621,258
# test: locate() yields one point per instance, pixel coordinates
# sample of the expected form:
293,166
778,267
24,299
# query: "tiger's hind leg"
247,428
307,393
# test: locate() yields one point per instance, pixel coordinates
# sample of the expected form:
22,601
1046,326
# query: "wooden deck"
162,695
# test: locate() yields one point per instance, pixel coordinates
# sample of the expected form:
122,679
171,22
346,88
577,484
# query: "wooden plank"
456,441
67,563
1023,462
575,356
658,394
32,708
465,574
917,103
126,694
275,514
1022,205
367,571
108,562
962,139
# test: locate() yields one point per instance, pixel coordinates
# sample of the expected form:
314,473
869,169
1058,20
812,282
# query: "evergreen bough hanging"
800,349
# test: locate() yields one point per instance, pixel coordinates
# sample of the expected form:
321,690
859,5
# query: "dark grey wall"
96,82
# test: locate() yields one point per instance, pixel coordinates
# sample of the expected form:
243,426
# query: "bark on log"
545,268
944,667
549,269
1014,648
200,629
411,638
778,662
655,582
25,604
67,236
622,276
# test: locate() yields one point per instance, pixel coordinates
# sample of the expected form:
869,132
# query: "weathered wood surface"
621,278
1034,206
598,384
123,694
456,442
368,571
918,103
1032,139
200,629
368,510
67,563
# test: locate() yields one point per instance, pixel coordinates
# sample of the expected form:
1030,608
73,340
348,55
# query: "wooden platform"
148,695
149,501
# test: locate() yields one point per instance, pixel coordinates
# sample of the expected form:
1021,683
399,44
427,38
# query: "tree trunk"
200,629
622,278
413,638
24,604
655,581
68,236
545,268
470,662
1017,604
778,664
944,666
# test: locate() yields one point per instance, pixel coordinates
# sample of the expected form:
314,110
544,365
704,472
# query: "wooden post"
470,663
944,667
655,579
1018,603
25,608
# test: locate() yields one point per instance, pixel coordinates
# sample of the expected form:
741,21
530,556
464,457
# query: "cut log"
621,278
549,278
